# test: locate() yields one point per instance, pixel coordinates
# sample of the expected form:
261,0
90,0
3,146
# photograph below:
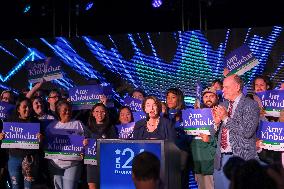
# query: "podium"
115,162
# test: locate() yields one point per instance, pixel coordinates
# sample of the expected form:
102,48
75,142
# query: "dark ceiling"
49,18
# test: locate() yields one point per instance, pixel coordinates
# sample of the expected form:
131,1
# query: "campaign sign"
134,104
196,121
272,134
240,60
272,101
125,131
84,97
137,116
64,147
115,161
20,135
90,157
6,109
47,69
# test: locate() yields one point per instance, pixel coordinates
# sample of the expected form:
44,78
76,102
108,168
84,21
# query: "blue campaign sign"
6,109
115,161
47,69
125,131
134,104
138,116
84,97
20,135
271,131
240,60
196,121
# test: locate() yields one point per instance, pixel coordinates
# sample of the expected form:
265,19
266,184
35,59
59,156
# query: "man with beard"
203,147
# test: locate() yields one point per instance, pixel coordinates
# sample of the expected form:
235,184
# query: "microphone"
147,117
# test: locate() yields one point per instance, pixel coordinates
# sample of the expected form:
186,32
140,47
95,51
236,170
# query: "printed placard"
90,157
137,116
20,135
116,162
134,104
85,97
240,60
272,134
272,101
125,131
6,109
196,121
64,147
47,69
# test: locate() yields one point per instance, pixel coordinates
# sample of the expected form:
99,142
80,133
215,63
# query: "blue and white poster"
125,131
20,135
196,121
116,162
64,147
240,60
91,152
6,110
137,116
272,135
272,101
85,97
134,104
44,69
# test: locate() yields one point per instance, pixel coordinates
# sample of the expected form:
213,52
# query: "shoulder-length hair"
125,107
180,97
92,124
59,104
157,102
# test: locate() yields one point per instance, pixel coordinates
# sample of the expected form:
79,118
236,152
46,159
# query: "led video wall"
153,62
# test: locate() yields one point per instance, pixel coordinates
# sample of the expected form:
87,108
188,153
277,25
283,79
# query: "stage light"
157,3
27,9
89,5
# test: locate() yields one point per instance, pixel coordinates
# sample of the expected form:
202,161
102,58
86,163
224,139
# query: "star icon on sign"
117,151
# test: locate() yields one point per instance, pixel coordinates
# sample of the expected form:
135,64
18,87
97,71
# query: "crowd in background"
241,163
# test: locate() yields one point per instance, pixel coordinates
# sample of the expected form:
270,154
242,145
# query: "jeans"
66,178
220,179
17,178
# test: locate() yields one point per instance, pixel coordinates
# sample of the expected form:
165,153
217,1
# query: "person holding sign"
262,84
66,172
203,147
138,94
237,122
99,127
154,126
39,109
23,163
126,123
53,97
175,105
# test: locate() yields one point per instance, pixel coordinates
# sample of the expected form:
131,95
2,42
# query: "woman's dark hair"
18,103
265,79
120,109
137,90
59,104
180,97
157,102
43,102
92,124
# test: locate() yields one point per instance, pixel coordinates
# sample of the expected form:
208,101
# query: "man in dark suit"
237,120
